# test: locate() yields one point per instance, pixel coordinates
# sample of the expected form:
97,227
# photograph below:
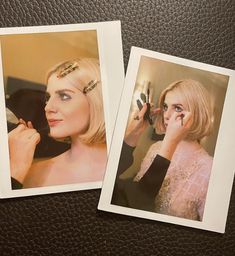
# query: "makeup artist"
174,175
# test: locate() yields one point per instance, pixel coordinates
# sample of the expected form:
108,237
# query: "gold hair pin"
68,69
91,85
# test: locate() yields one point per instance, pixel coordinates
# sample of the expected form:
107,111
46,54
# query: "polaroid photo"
60,90
172,154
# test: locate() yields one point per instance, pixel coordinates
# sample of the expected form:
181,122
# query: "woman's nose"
167,114
50,105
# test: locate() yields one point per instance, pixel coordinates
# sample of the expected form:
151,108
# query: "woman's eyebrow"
177,104
60,91
64,90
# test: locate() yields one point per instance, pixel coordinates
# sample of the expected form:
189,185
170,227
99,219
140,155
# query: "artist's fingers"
28,132
30,125
35,138
187,119
175,117
139,114
150,95
22,121
155,111
142,111
134,114
184,118
18,129
30,136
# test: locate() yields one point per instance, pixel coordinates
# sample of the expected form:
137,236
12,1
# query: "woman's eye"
47,97
165,107
64,96
178,109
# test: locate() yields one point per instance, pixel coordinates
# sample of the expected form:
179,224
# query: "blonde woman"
174,175
74,110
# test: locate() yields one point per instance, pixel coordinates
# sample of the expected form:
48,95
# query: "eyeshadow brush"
147,113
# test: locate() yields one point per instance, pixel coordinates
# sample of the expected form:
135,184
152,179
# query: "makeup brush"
11,117
143,97
147,113
148,92
139,104
14,122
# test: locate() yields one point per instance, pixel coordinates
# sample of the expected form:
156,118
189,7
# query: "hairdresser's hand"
138,124
177,129
22,143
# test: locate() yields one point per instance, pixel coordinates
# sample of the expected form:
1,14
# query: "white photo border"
221,180
112,75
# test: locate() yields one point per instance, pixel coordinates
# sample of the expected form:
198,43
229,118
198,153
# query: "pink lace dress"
184,189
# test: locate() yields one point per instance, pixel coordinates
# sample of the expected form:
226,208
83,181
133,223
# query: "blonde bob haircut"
198,102
87,70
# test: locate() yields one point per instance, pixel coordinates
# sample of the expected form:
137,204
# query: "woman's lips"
53,122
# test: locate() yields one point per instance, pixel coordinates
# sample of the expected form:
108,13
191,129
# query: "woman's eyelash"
165,107
178,109
47,97
64,96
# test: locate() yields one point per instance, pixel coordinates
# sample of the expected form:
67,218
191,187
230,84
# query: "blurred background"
158,75
30,56
26,59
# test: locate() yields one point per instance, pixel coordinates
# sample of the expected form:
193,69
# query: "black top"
141,194
15,184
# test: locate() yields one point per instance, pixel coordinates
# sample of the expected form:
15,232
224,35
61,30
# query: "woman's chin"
58,136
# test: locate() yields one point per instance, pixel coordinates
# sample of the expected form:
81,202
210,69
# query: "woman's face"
173,103
67,108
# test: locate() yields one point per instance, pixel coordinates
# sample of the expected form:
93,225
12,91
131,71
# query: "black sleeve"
126,158
141,195
15,184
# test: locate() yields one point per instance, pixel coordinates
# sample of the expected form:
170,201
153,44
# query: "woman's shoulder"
204,158
191,154
46,164
193,159
203,164
41,165
37,173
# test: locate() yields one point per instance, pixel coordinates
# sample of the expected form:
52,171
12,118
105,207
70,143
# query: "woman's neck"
80,150
194,143
188,146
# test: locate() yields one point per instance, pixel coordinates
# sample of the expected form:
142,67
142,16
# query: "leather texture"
69,223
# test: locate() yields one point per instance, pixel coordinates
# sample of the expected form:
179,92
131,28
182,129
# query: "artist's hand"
22,143
177,129
138,124
178,126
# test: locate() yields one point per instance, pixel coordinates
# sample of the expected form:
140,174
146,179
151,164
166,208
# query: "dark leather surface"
68,223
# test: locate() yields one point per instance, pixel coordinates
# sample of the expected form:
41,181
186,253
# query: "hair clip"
68,69
91,85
